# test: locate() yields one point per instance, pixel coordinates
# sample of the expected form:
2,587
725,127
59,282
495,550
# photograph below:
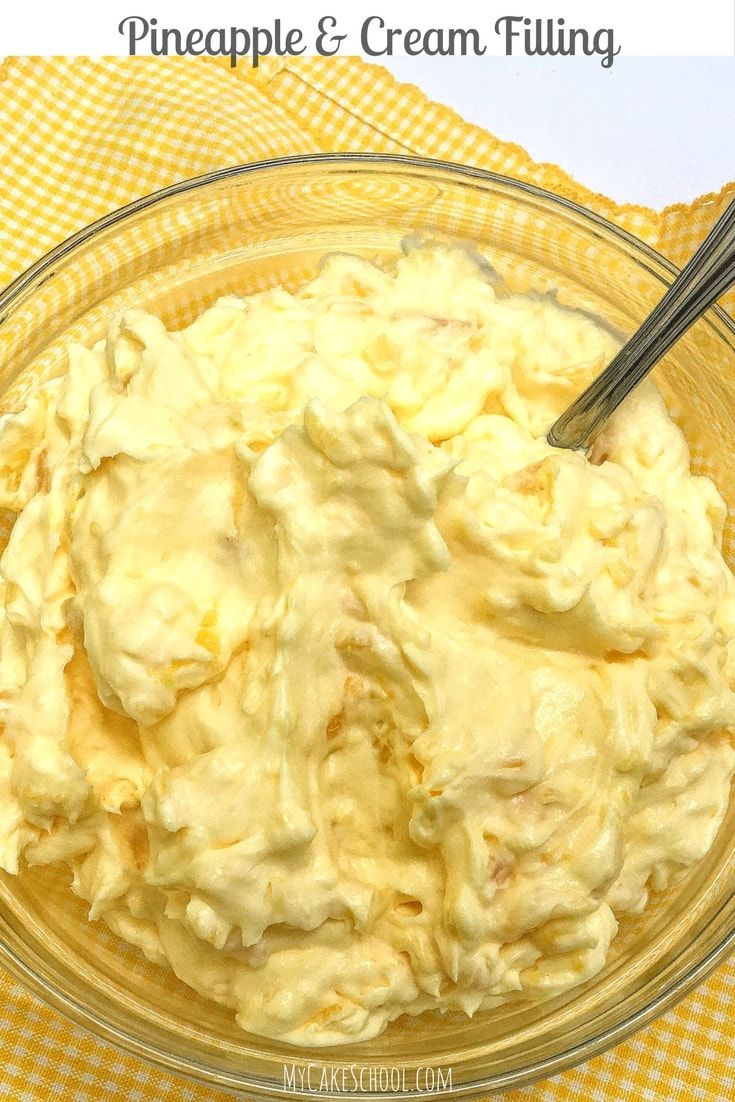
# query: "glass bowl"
243,229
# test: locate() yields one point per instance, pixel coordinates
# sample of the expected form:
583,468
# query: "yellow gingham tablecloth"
82,136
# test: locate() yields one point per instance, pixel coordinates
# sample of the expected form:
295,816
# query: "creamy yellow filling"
339,690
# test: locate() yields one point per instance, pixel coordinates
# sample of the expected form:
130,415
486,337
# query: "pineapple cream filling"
339,691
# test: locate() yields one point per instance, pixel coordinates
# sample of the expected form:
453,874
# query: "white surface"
652,131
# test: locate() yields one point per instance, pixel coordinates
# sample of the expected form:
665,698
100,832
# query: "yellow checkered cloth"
80,137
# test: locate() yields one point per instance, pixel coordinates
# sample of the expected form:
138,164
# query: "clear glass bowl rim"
80,1015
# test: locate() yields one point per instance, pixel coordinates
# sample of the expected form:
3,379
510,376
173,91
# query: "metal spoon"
709,273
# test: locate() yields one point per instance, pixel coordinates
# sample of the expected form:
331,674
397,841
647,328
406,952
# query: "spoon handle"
708,275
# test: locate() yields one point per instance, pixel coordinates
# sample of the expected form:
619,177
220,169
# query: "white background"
650,130
643,27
